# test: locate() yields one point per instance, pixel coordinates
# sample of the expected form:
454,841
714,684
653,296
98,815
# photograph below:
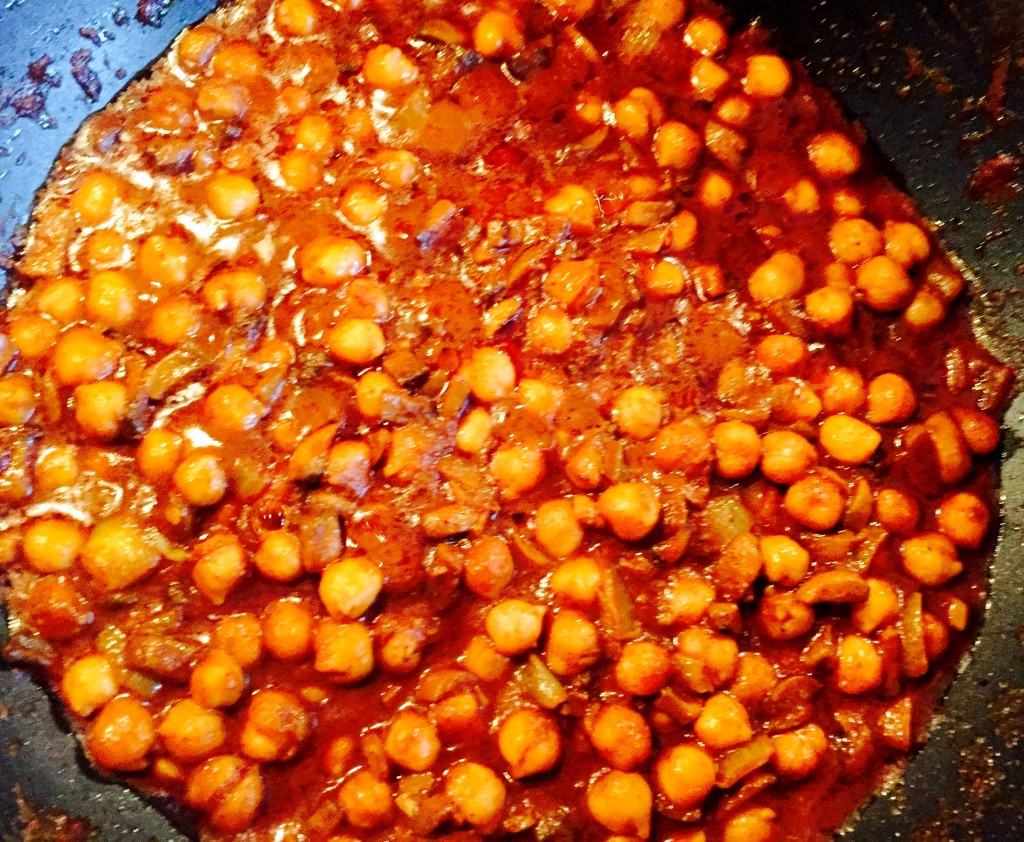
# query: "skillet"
940,88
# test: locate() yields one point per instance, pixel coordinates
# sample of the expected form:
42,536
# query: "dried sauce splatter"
996,180
84,75
151,12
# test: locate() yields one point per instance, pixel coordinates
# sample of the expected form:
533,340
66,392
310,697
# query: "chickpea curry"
532,419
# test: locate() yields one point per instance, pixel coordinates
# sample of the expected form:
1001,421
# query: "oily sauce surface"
455,420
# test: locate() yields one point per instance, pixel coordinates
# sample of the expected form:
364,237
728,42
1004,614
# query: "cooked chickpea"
906,243
370,390
356,342
881,607
122,735
488,567
389,68
963,518
52,544
925,311
349,587
190,732
232,409
228,789
705,35
631,509
621,736
279,556
754,825
220,566
110,298
558,529
288,630
781,353
84,354
848,439
63,299
275,726
685,601
517,469
723,723
476,792
241,637
201,479
174,320
643,668
833,155
88,684
980,432
799,752
816,501
897,511
638,410
755,678
780,277
683,446
483,660
576,205
686,775
217,681
514,625
718,653
296,17
168,261
497,33
786,456
412,741
785,561
707,77
715,190
573,644
854,240
100,408
344,651
158,453
57,467
621,802
239,291
884,284
930,558
637,113
891,400
397,167
94,198
858,665
737,448
768,76
232,196
237,60
842,391
299,170
220,99
549,331
329,261
577,580
529,742
363,203
491,374
677,145
539,397
802,197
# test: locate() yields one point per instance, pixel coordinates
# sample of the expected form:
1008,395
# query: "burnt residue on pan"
939,85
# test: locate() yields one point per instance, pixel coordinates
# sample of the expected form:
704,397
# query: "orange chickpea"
577,581
643,668
232,409
843,391
491,374
858,665
768,77
896,511
830,309
848,440
17,399
558,528
356,342
754,825
631,509
621,736
63,300
529,742
349,587
517,469
755,678
497,33
388,68
638,410
33,336
363,203
88,684
241,637
299,170
906,243
891,400
802,197
677,146
100,408
930,558
980,431
854,240
296,17
237,60
228,789
51,544
621,802
785,561
715,190
158,453
476,792
190,732
816,502
964,519
737,448
329,261
799,752
344,651
221,564
489,567
705,35
686,775
781,353
217,681
122,735
723,723
786,456
275,726
881,607
412,741
279,556
240,291
232,196
573,643
168,261
288,630
684,446
576,205
780,277
833,155
685,601
707,77
884,284
514,626
94,198
201,479
174,320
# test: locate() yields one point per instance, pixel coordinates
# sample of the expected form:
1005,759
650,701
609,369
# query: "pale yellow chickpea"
201,479
686,775
631,509
786,456
476,792
621,802
100,408
930,558
389,68
780,277
88,684
638,411
514,625
491,374
279,556
785,561
349,587
848,440
517,469
768,76
52,544
858,665
573,643
529,742
558,529
232,196
577,581
549,331
412,741
723,723
356,342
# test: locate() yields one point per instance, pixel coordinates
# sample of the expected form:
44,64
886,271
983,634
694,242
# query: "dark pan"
940,88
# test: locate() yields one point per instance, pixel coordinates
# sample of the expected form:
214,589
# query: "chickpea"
781,353
412,741
621,736
539,397
88,684
755,678
220,566
891,400
349,587
296,17
168,261
95,196
549,331
799,752
930,558
357,342
483,660
63,300
964,519
685,601
158,454
344,651
239,291
558,529
232,196
220,99
366,800
576,205
884,284
121,735
925,311
723,723
370,390
686,775
237,60
228,789
363,203
100,408
848,440
489,567
854,240
477,793
737,448
785,561
52,544
665,279
577,581
858,665
816,501
677,146
52,606
299,170
718,654
241,637
780,277
201,479
491,374
514,625
57,467
388,67
906,243
497,33
329,261
397,167
631,509
786,456
191,732
637,113
783,617
833,155
288,630
768,77
802,197
842,391
684,446
529,742
217,681
707,77
573,643
979,431
232,409
682,230
174,320
275,726
754,825
715,190
638,410
881,607
83,355
705,35
643,668
517,469
621,802
897,511
279,556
